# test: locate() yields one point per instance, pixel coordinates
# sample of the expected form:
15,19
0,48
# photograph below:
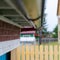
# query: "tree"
55,32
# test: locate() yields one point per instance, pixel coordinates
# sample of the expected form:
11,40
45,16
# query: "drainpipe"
41,27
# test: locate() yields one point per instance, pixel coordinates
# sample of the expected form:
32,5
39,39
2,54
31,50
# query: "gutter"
40,28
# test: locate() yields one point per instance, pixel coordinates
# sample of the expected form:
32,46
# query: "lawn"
51,43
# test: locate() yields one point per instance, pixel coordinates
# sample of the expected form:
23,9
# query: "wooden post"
58,11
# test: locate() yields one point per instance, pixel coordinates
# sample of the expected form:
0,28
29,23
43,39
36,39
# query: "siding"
8,31
9,37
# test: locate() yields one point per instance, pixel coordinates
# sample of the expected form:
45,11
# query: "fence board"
23,53
36,52
41,52
50,52
27,52
55,52
32,52
46,52
15,54
59,52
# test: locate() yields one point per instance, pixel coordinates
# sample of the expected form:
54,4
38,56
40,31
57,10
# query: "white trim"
26,32
7,46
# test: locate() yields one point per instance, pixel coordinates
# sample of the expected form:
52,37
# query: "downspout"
42,14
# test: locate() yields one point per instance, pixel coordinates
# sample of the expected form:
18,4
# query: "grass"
51,43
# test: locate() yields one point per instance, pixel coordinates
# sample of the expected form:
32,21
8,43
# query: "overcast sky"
51,10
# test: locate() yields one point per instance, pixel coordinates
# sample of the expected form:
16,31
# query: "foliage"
44,31
55,32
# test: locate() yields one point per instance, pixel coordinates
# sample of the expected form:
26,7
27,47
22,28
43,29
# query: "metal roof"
14,12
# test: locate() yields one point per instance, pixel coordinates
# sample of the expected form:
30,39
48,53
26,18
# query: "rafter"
9,21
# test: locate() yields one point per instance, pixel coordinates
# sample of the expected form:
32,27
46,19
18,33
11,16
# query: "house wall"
8,32
9,37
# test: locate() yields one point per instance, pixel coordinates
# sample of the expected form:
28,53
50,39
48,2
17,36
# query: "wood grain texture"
15,54
58,11
46,52
36,52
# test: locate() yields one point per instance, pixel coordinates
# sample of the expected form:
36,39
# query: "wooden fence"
35,52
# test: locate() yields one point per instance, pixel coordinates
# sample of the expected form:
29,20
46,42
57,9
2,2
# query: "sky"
51,11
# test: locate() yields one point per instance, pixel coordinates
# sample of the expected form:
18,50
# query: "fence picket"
36,52
23,53
32,52
50,52
46,52
55,52
41,52
27,52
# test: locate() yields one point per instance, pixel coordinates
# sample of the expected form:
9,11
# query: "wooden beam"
6,8
11,15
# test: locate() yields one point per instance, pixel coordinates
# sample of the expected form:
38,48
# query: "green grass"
51,43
